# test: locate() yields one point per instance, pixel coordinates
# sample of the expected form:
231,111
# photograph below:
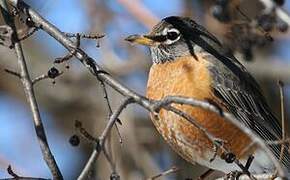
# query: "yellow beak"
141,39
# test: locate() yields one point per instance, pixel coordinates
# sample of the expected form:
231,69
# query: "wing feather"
241,94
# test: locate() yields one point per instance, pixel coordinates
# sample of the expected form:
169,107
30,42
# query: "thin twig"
169,171
30,96
206,174
87,36
108,152
79,127
103,137
28,34
108,155
17,177
279,142
13,73
281,86
42,77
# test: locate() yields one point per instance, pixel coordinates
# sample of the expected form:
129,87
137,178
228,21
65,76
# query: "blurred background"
76,95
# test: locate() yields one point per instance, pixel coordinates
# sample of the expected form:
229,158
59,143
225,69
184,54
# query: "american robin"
189,61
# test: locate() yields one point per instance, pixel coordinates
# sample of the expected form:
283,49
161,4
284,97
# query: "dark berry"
228,157
217,10
282,25
220,13
279,2
53,73
29,22
74,140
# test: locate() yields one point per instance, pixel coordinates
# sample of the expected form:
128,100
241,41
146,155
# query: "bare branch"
30,96
28,34
206,174
87,36
169,171
43,77
16,177
281,86
102,138
84,132
13,73
39,78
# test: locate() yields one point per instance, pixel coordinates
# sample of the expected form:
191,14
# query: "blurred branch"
13,73
30,96
152,106
140,12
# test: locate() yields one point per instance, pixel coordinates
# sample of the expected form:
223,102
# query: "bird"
189,61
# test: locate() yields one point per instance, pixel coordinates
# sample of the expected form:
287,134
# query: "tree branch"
102,138
30,96
16,177
169,171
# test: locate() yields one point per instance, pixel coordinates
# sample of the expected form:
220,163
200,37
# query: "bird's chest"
190,78
186,77
183,77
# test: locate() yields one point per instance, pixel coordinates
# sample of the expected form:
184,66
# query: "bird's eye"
172,34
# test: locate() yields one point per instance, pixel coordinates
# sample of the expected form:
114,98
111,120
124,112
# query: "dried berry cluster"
269,21
245,32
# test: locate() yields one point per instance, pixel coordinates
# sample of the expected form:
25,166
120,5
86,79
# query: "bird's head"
171,38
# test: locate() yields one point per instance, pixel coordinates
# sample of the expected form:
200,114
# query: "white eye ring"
172,35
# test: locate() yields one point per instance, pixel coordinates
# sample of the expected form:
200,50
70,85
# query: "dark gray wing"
241,94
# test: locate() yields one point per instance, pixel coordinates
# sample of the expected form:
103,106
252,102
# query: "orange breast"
189,77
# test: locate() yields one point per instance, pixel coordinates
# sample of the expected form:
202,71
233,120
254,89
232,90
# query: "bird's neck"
160,55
